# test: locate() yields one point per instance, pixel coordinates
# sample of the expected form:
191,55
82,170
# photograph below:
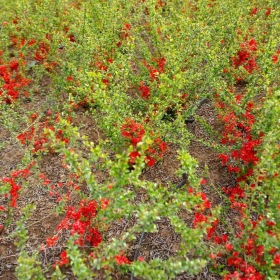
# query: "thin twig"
40,220
7,257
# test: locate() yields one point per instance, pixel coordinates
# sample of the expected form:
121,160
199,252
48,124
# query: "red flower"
94,237
14,191
161,145
270,223
14,65
213,256
104,202
276,259
110,60
72,38
133,156
229,247
127,26
252,45
268,11
212,229
233,169
42,52
33,116
132,131
101,66
161,64
121,259
203,182
235,261
145,90
190,190
21,173
51,241
254,11
199,218
31,42
242,57
106,82
275,58
63,259
251,65
224,158
234,276
81,222
259,250
150,161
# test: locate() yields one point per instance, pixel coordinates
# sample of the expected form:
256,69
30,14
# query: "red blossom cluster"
200,210
14,191
155,71
26,136
238,129
15,187
245,270
255,10
51,241
275,57
122,259
54,188
12,79
38,136
11,72
102,63
63,259
160,4
134,132
155,151
70,36
81,222
246,56
198,219
124,33
42,52
145,91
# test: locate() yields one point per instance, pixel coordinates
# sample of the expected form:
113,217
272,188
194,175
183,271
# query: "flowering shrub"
80,222
246,56
12,82
114,99
134,132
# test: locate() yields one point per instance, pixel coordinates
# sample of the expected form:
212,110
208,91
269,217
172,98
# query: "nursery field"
139,139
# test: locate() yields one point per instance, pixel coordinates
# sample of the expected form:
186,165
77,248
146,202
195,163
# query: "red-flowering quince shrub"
119,90
133,132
